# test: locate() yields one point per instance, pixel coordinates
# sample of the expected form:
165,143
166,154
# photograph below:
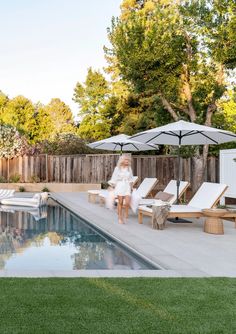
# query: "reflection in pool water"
55,239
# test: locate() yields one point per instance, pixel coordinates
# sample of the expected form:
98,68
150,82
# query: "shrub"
15,178
34,179
65,143
2,179
45,190
104,185
22,189
12,144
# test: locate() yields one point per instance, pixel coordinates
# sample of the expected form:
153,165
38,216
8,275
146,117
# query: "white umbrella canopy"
184,133
121,143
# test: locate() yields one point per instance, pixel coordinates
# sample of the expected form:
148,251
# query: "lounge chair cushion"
35,201
164,196
173,208
207,195
184,209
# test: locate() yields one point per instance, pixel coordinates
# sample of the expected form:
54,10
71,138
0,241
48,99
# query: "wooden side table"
93,195
213,222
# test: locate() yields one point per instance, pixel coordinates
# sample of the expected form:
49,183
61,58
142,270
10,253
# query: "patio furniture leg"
93,198
89,197
101,201
140,217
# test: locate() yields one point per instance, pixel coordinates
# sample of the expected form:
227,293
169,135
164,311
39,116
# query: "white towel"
135,200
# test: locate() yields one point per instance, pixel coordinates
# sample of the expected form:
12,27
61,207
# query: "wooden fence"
99,168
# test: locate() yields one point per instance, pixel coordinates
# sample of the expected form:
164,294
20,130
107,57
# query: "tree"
92,97
19,112
56,118
3,103
65,143
12,144
170,51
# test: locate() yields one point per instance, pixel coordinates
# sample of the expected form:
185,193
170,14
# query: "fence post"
8,169
46,167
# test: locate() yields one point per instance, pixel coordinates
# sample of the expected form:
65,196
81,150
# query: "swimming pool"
56,239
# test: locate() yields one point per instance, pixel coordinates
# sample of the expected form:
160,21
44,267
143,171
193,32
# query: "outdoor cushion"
6,193
164,196
207,195
35,201
146,186
184,209
169,189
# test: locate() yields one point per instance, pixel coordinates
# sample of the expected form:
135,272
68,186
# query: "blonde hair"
122,158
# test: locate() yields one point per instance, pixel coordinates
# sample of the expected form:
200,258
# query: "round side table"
213,222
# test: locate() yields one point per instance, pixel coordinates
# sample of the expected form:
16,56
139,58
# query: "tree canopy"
36,122
172,52
92,98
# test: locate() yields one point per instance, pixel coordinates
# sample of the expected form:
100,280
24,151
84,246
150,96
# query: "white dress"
122,178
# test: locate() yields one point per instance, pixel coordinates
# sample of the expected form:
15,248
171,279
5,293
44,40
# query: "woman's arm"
112,182
131,178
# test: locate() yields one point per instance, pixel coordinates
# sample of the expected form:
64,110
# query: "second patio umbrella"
121,143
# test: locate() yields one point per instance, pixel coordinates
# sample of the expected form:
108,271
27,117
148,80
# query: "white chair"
207,196
170,189
146,187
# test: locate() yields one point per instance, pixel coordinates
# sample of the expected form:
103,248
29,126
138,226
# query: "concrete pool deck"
181,250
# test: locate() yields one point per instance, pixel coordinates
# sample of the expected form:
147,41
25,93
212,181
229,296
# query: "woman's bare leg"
120,209
127,205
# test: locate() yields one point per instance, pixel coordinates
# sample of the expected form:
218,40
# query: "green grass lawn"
135,305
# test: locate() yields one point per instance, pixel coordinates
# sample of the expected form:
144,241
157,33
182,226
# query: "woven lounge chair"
207,196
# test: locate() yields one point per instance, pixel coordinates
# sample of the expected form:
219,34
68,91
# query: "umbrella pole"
178,174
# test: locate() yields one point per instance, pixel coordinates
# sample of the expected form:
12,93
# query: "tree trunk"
198,173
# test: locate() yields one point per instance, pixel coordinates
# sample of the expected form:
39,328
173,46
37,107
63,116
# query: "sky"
47,45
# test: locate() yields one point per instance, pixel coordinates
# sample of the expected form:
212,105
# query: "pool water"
56,239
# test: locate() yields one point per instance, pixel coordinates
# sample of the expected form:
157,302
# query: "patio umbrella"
184,133
121,143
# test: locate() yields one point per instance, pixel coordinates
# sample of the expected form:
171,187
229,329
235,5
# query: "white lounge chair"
146,187
207,196
170,189
36,201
